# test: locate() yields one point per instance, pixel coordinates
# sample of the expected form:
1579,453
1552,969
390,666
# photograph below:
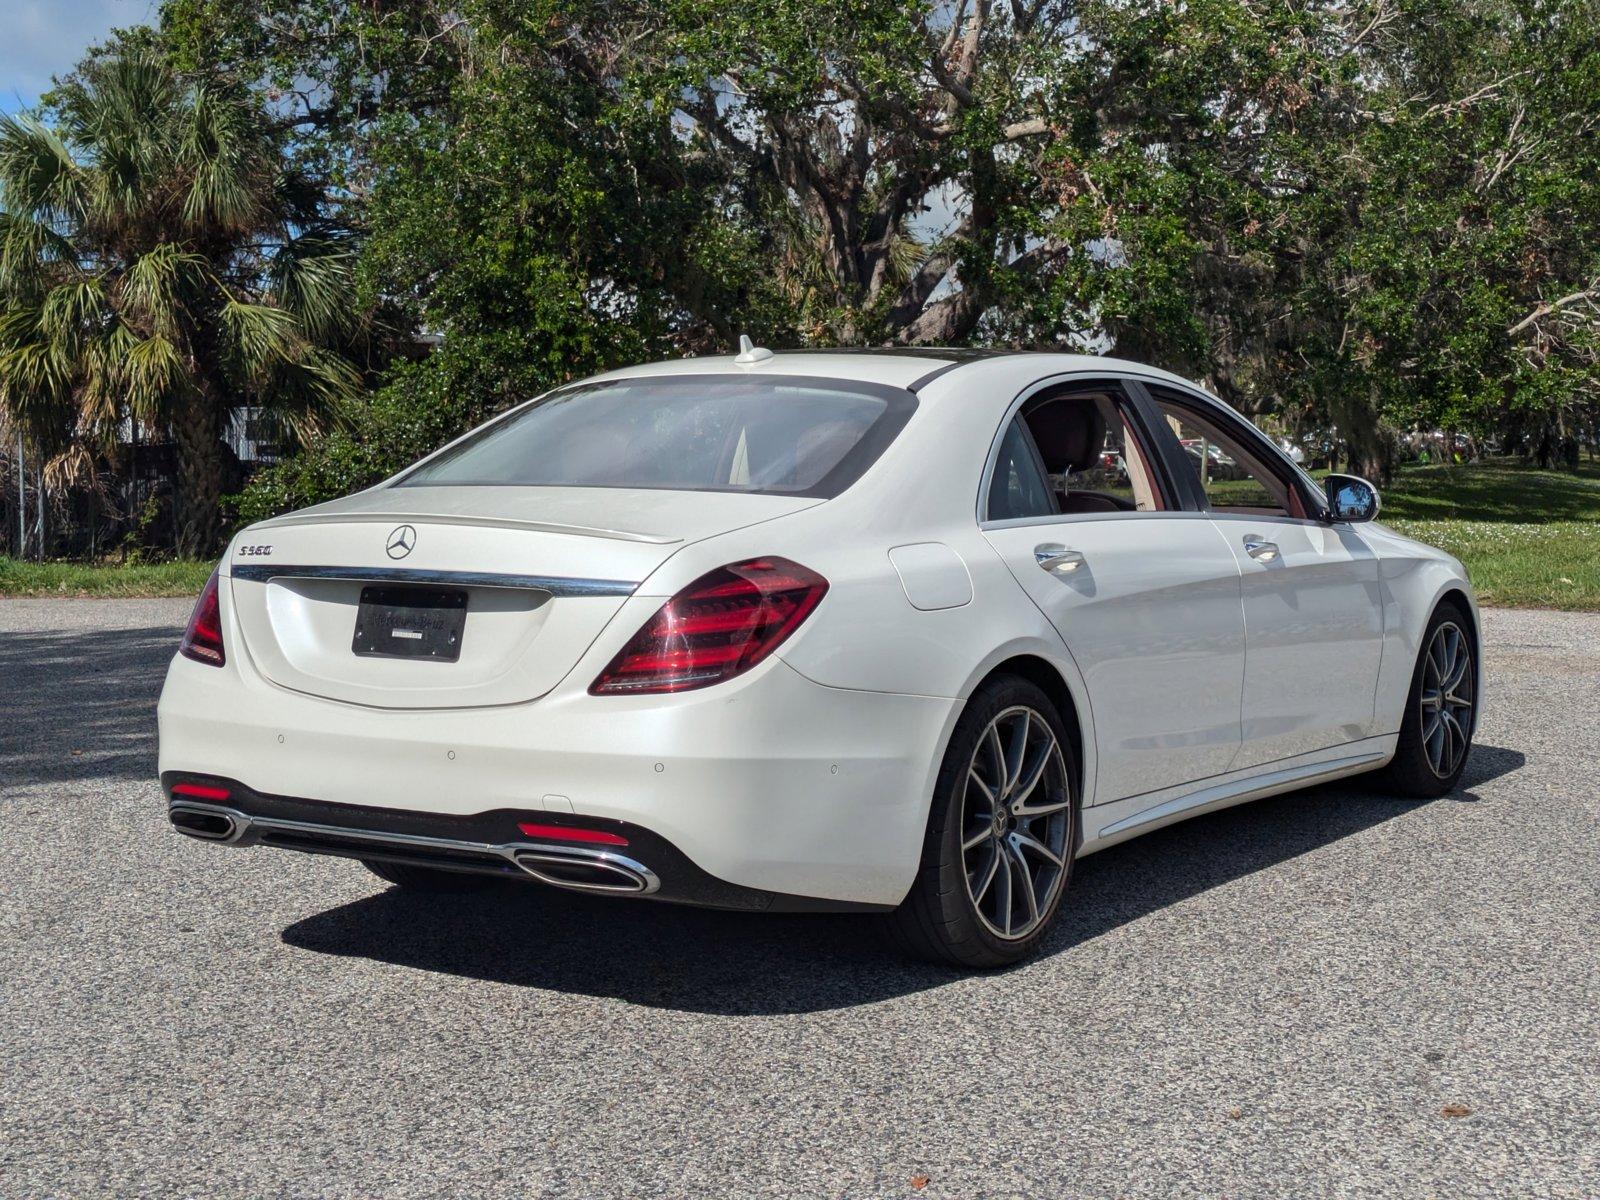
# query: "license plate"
406,622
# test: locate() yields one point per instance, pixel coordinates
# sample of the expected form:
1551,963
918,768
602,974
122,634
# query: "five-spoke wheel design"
1016,823
1446,699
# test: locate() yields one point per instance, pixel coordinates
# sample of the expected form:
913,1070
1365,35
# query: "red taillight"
202,641
566,833
720,625
200,791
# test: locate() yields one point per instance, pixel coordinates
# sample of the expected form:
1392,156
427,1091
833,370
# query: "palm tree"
161,263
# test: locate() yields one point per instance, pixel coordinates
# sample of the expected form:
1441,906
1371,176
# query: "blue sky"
41,38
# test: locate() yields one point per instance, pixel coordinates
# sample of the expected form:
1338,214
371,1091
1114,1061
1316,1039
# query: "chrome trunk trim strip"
554,585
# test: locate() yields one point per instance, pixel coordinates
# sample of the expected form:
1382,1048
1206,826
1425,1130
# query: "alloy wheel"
1016,823
1447,698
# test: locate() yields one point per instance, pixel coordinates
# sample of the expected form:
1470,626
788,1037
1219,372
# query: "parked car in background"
1113,466
814,631
1211,461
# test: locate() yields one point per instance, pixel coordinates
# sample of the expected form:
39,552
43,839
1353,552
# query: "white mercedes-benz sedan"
875,631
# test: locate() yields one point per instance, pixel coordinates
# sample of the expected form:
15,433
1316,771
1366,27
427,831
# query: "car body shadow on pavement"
702,961
80,704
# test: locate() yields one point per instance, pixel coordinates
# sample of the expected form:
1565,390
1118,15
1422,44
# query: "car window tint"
1018,487
778,435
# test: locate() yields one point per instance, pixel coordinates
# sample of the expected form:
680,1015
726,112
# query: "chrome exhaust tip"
586,870
208,824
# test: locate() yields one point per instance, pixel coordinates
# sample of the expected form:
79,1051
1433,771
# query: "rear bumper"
645,865
768,785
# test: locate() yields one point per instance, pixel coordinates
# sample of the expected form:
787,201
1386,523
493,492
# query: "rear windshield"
710,433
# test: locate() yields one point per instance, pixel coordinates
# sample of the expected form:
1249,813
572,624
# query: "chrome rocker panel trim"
1244,789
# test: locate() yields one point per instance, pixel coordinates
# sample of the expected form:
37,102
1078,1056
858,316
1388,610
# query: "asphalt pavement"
1333,993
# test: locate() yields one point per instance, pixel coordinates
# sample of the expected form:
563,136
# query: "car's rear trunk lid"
503,588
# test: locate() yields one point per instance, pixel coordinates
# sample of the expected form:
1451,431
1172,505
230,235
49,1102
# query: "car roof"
908,367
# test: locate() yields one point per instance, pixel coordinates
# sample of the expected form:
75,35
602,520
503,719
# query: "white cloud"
42,38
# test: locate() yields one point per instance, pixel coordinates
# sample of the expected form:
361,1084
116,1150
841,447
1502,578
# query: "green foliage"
1353,217
422,407
1479,208
535,254
1341,214
156,267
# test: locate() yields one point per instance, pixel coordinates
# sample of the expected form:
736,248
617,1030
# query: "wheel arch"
1458,597
1049,679
1414,580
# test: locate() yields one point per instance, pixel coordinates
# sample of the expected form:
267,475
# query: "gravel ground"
1287,999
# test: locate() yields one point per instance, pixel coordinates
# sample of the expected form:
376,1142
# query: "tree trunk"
1366,452
1370,464
198,487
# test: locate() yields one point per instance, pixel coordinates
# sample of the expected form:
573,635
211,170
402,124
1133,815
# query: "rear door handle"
1258,548
1057,559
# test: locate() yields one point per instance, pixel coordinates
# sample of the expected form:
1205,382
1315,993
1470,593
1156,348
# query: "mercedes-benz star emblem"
400,541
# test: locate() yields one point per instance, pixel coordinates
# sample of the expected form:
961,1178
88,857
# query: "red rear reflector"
202,641
200,791
565,833
719,626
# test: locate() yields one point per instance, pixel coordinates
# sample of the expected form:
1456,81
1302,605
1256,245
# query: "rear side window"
777,434
1018,487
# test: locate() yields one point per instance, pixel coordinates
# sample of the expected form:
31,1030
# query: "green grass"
1520,564
1498,490
102,579
1528,538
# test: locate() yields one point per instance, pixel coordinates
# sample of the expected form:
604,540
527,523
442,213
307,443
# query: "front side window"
1232,475
777,435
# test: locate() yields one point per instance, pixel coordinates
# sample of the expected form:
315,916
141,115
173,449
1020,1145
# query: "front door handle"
1057,559
1258,548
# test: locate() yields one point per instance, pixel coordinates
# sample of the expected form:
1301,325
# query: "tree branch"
945,321
1029,128
1544,310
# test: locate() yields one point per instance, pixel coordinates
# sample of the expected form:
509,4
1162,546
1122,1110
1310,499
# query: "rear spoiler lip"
620,535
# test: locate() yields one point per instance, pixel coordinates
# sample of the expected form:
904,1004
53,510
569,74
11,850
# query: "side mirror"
1350,498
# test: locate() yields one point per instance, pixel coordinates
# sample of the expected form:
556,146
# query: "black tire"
1412,771
428,879
939,919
